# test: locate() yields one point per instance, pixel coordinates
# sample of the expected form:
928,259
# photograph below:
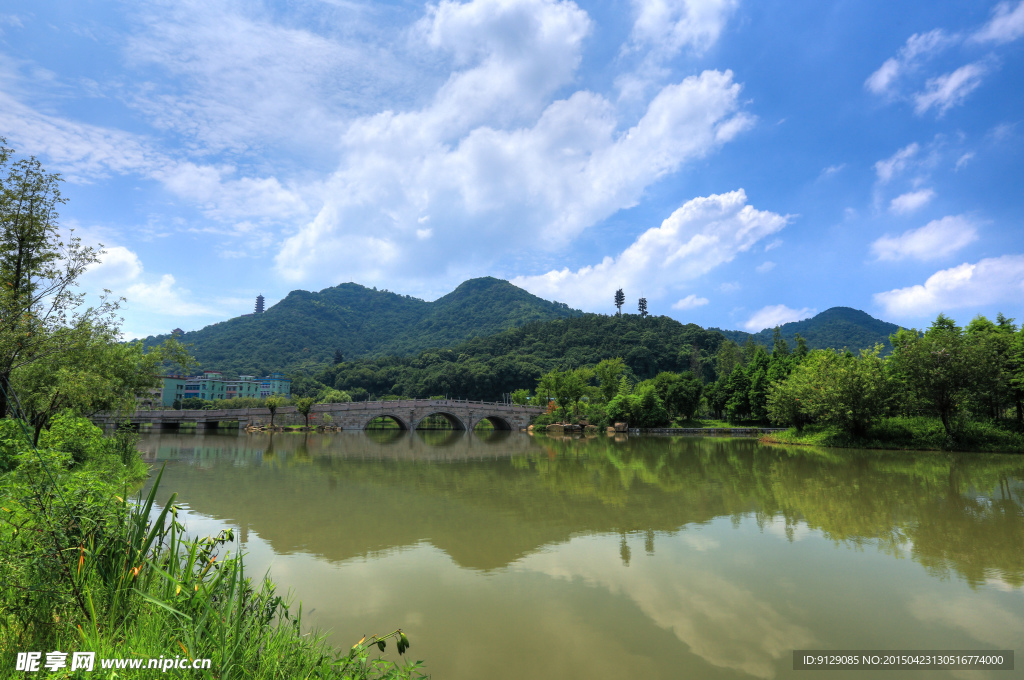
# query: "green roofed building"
212,385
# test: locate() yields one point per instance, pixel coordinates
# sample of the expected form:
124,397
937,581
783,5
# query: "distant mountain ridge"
835,328
306,328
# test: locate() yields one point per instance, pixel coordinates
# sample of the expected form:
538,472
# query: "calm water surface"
529,557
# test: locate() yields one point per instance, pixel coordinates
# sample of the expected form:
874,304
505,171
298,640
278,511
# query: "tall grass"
83,568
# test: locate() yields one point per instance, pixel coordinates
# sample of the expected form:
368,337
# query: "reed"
84,568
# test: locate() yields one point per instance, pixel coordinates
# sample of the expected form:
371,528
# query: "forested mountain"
834,328
306,329
486,367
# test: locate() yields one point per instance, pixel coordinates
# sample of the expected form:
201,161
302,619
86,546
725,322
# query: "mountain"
488,366
834,328
305,329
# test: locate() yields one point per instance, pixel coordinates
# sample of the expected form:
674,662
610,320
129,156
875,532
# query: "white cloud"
773,245
487,188
765,267
120,270
776,315
989,281
701,235
895,164
230,75
948,90
691,301
87,153
911,201
164,297
918,47
117,266
964,159
668,26
730,287
935,240
1005,25
832,169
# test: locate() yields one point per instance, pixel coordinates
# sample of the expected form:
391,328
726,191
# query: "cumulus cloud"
701,235
990,281
946,91
918,47
485,188
1006,24
765,267
120,270
669,26
935,240
911,201
691,301
776,315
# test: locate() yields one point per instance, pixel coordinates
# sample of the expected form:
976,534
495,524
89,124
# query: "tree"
304,405
620,299
836,388
339,358
520,397
937,369
273,403
643,307
680,393
329,395
608,372
93,373
39,307
801,347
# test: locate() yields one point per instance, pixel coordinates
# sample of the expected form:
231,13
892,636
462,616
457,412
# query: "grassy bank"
912,434
83,568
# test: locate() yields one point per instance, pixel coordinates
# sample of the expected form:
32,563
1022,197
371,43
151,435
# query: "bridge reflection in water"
357,415
651,557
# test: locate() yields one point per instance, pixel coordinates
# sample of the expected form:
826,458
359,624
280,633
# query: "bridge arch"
456,422
402,425
497,422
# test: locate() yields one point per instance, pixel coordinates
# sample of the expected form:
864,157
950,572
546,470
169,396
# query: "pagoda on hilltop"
259,304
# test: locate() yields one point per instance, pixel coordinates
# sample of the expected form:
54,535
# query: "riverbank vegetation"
82,566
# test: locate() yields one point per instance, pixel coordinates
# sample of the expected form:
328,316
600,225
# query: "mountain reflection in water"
686,536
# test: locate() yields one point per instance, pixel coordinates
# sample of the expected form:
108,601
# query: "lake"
510,556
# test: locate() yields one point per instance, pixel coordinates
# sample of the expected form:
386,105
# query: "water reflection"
510,495
739,552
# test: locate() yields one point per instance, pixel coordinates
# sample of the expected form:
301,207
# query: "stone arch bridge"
356,415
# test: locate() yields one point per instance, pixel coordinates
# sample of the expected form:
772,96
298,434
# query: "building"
259,304
212,385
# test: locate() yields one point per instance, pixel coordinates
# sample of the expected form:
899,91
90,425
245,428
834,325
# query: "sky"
739,164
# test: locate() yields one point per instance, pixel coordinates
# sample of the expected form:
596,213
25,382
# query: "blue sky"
739,164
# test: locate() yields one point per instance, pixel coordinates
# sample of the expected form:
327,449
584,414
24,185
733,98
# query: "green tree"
836,388
608,372
520,397
738,387
620,299
937,369
801,347
642,307
41,314
272,403
329,395
304,405
680,393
